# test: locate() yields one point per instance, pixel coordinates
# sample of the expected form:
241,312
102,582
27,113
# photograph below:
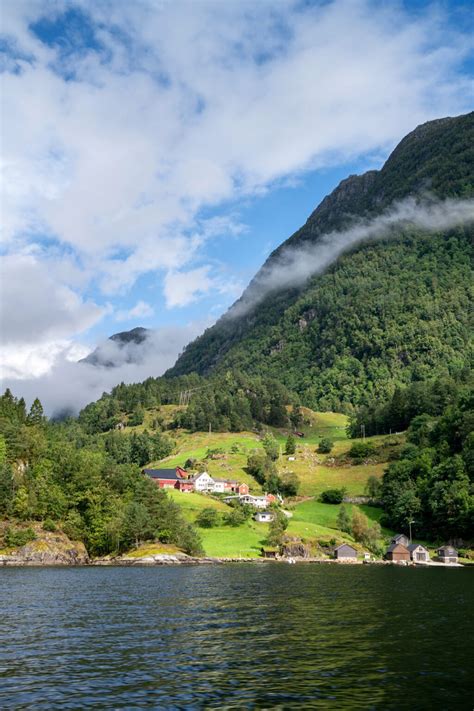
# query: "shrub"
325,445
49,525
333,496
208,518
235,517
361,450
18,536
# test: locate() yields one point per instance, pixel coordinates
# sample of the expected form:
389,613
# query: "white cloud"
140,310
182,288
36,306
64,385
175,112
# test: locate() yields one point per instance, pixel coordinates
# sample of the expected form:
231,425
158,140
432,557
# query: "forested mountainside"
388,312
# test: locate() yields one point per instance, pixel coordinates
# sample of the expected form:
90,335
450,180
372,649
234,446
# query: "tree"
208,518
235,517
325,445
277,528
373,488
21,504
296,417
137,521
270,446
344,520
290,447
36,414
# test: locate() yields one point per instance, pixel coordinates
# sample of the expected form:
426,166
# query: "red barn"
167,478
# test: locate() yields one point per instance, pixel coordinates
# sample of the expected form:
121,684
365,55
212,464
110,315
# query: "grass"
315,512
242,542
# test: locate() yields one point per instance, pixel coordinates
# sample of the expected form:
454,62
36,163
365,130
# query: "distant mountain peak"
119,349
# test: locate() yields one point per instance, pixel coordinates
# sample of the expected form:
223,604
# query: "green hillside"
388,312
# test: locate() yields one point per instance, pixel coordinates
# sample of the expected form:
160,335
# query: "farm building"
418,553
447,554
167,478
264,517
401,538
203,482
345,552
398,553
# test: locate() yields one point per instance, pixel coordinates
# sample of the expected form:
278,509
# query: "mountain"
373,291
123,347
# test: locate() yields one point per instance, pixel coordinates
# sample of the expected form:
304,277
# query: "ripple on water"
238,636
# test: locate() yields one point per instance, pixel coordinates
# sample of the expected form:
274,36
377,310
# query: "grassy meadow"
311,520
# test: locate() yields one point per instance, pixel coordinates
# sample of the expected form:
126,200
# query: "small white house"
264,517
219,486
203,482
418,553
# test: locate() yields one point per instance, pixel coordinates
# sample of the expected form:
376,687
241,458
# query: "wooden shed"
447,554
345,552
398,553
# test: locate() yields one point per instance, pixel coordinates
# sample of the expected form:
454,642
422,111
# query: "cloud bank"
293,266
68,386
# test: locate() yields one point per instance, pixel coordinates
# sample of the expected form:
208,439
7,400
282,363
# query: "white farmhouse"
203,482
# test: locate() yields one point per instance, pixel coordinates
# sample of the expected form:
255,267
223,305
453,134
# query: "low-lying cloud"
293,266
68,386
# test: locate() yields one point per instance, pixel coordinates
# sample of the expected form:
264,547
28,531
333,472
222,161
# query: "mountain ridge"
436,158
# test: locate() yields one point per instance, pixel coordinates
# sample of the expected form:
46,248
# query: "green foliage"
277,528
344,522
208,518
290,446
333,496
236,517
373,488
431,483
325,445
50,525
16,537
363,532
88,485
270,445
360,451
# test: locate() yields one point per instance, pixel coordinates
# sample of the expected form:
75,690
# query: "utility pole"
362,430
410,523
210,428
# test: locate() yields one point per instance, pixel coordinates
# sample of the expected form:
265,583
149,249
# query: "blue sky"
155,153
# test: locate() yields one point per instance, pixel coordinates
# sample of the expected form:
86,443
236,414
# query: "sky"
154,153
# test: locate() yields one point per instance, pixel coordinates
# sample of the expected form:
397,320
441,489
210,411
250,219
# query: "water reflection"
244,636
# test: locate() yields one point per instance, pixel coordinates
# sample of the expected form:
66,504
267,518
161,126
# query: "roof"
161,473
264,513
448,549
396,546
345,544
413,546
398,537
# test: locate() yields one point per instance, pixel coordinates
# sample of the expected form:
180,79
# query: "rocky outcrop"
47,549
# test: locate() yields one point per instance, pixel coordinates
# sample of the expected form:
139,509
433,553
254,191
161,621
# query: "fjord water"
236,636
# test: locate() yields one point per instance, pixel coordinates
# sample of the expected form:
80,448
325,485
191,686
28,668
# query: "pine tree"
36,414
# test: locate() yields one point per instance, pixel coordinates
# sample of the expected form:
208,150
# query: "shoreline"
179,560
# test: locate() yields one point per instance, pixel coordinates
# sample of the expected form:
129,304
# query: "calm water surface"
243,636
